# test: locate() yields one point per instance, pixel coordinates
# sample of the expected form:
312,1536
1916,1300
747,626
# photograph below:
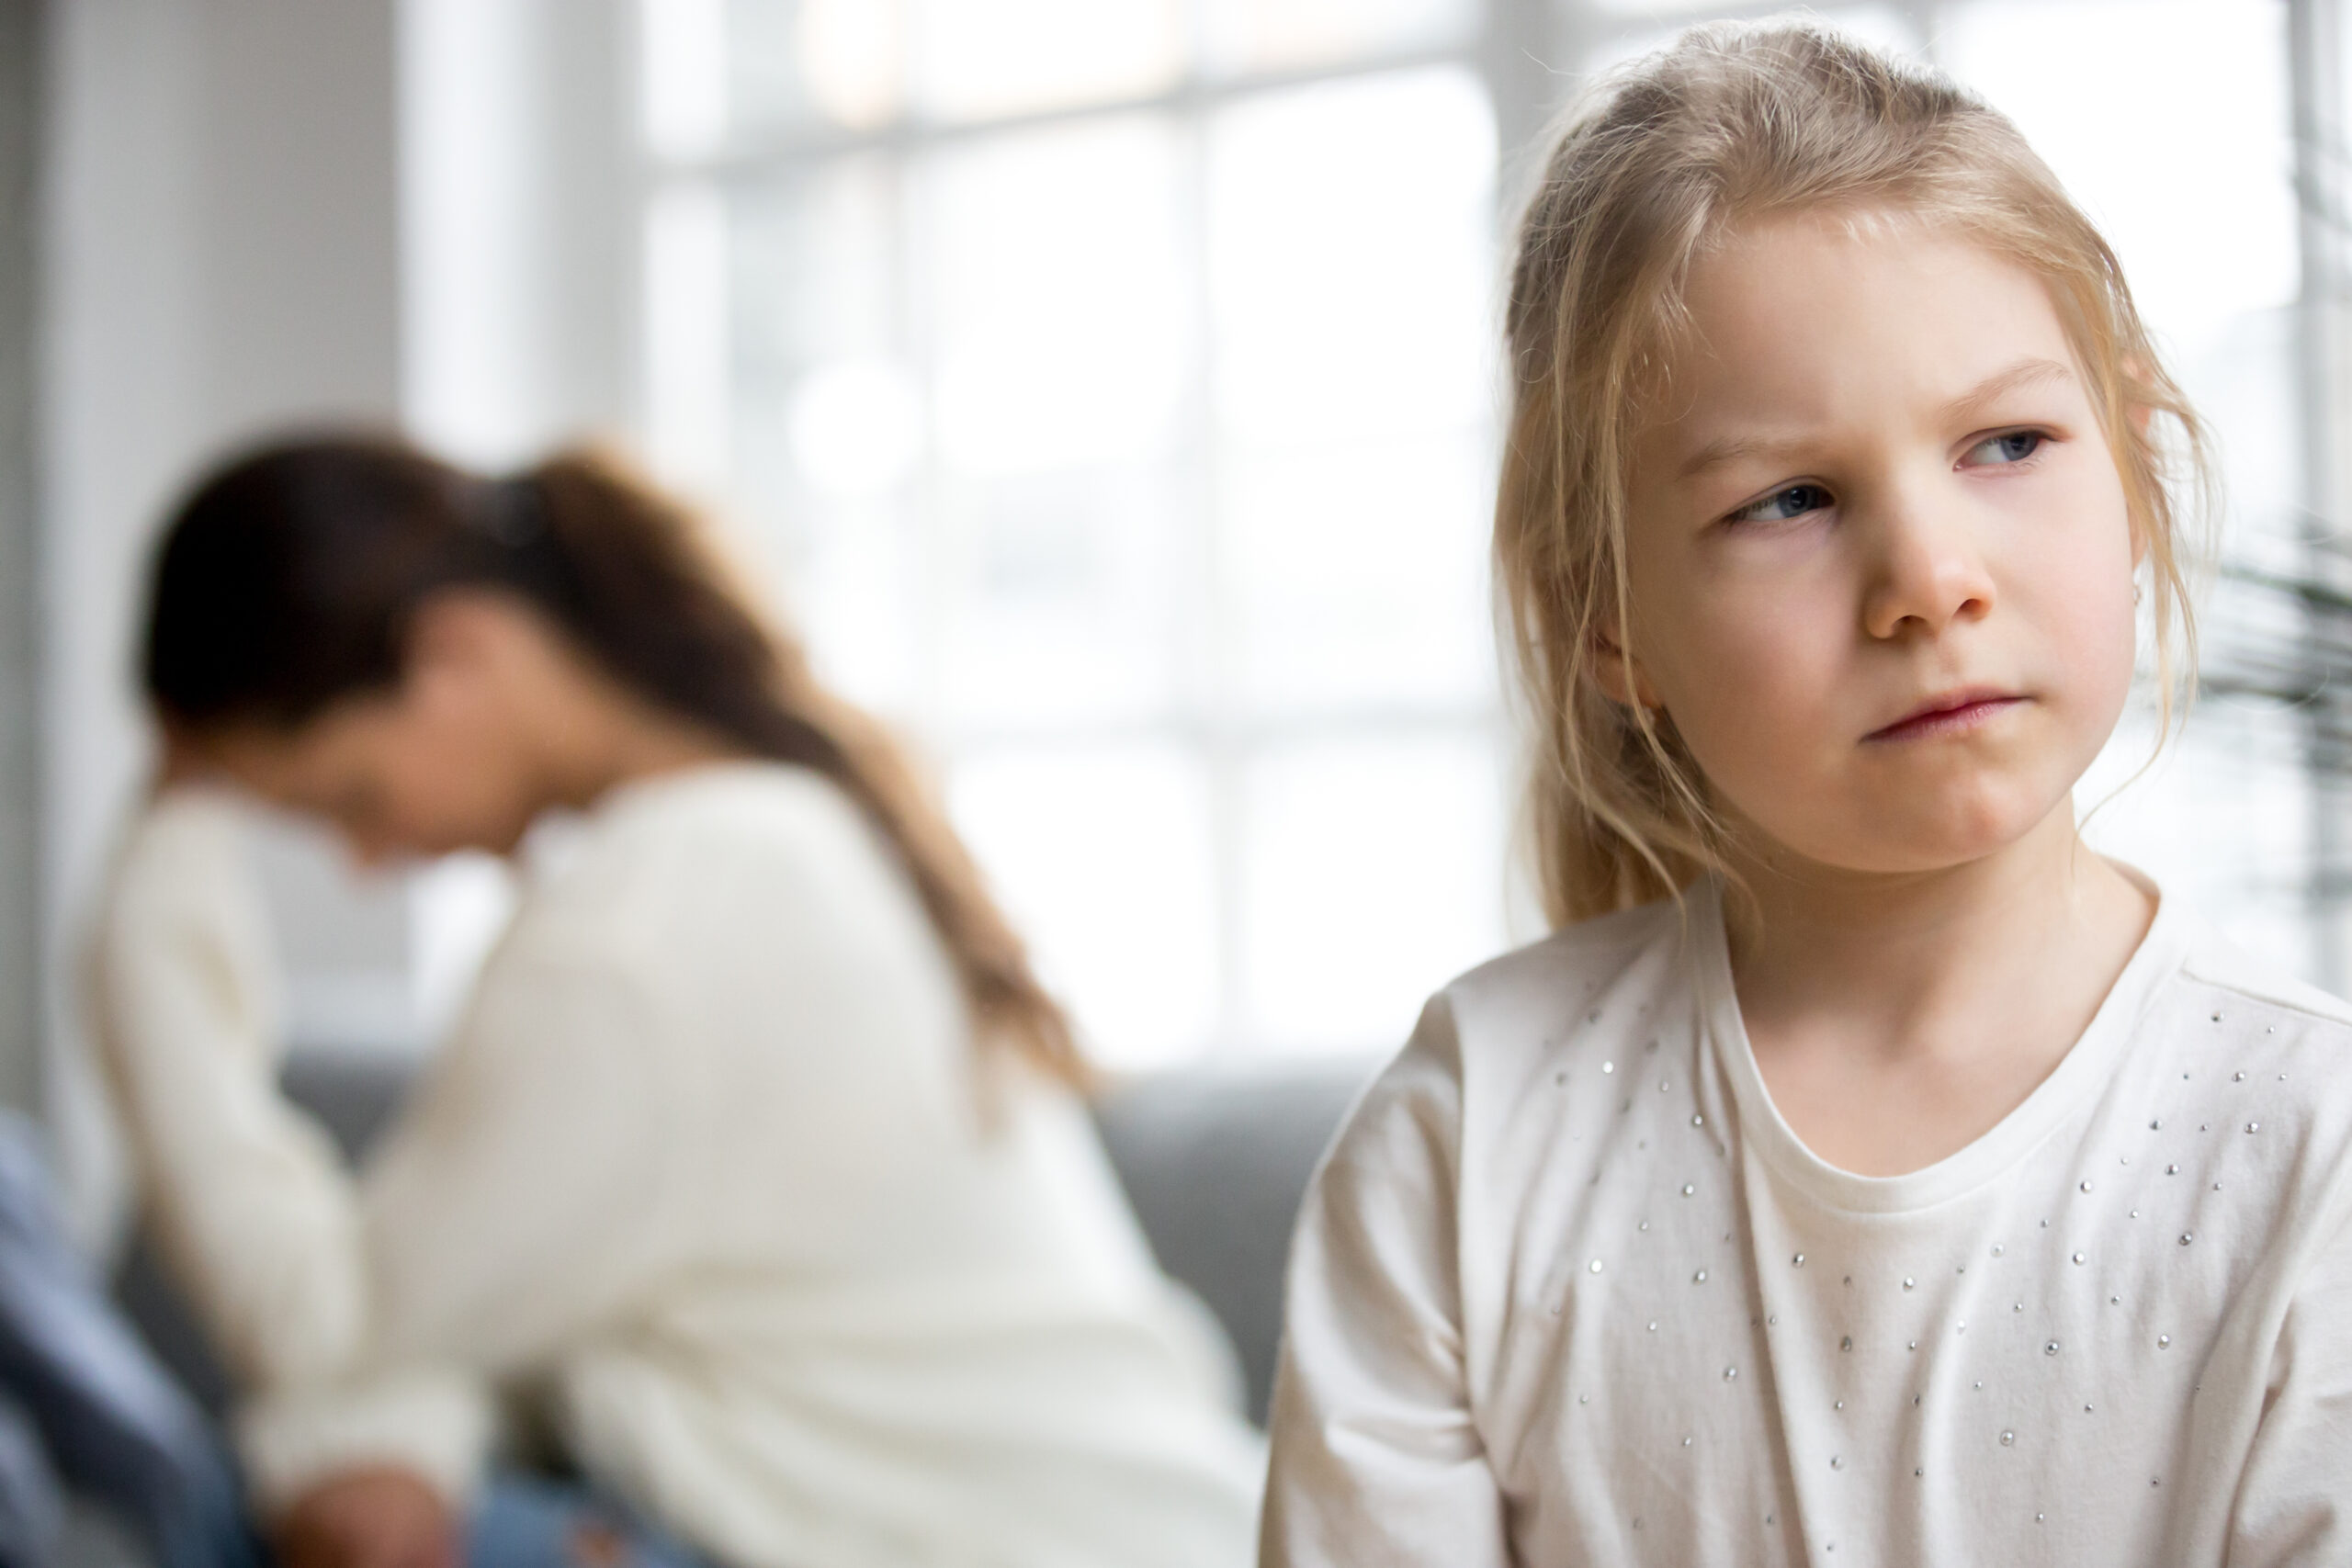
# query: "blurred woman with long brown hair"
757,1147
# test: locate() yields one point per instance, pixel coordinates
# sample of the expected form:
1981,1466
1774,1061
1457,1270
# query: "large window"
1109,381
1110,385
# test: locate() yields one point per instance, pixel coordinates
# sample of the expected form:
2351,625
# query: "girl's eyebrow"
1731,448
2024,373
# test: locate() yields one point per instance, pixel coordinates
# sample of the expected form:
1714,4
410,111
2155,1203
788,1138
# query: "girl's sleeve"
1376,1459
2294,1499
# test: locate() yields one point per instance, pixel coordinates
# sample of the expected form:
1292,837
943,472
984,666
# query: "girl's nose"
1926,572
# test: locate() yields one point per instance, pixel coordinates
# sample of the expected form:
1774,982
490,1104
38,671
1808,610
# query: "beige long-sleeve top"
706,1157
1569,1291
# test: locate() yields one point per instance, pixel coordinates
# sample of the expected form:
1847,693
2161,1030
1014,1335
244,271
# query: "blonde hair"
1732,122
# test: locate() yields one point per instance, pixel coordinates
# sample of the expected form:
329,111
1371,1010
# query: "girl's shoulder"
2213,959
1589,997
2253,1045
1586,986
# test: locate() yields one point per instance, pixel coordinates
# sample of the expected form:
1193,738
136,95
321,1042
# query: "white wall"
274,211
221,258
20,1009
518,223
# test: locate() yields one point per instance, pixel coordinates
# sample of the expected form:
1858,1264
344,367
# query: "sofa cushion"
1216,1162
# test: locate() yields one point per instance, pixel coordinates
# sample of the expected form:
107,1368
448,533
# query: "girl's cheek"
2084,592
1775,657
1743,657
1755,702
2106,637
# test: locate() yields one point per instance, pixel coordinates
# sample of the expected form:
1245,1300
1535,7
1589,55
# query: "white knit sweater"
709,1160
1569,1289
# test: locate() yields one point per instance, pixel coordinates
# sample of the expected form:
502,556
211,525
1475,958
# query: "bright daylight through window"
1111,386
1137,451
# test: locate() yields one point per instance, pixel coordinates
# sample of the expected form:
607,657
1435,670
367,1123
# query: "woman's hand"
382,1517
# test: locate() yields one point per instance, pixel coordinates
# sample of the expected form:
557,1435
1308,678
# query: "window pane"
1104,860
1351,257
1359,573
816,271
825,405
2224,819
1062,593
852,589
1060,296
2177,143
979,59
1642,26
1079,437
1063,312
1372,873
828,417
686,324
2247,388
1290,35
719,70
681,75
1878,24
798,63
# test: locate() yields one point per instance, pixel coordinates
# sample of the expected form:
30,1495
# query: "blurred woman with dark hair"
758,1145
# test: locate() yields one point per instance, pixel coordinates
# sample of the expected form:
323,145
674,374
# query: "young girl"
756,1150
1866,1172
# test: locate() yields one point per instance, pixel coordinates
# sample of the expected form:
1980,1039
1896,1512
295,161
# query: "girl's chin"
1906,843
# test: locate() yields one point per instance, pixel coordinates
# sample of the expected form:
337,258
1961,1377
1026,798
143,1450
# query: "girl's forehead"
1810,310
1831,262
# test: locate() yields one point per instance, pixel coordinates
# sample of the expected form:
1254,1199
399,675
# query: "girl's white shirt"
1568,1291
709,1163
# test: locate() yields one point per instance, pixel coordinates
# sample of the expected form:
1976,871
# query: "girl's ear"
1619,674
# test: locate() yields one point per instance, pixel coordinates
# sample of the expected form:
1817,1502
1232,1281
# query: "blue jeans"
83,1404
527,1522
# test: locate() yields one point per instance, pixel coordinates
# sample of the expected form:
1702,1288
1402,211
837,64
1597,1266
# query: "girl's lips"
1953,715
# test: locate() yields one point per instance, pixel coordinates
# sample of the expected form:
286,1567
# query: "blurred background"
1105,388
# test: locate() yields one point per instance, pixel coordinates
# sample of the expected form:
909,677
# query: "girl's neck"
1892,1015
1803,925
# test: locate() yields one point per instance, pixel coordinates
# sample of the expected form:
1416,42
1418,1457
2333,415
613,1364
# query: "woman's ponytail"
639,585
288,581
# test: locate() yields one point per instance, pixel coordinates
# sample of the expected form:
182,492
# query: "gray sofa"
1215,1162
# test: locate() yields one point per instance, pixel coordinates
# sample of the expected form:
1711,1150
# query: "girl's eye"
2014,448
1783,504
